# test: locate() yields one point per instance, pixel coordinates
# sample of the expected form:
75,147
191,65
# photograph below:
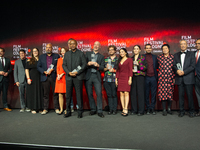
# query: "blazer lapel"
76,58
185,61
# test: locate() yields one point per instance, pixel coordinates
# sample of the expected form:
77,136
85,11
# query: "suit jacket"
197,66
100,61
19,72
7,68
42,66
188,68
79,61
155,64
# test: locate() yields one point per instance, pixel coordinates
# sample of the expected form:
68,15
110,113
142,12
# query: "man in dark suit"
197,73
74,64
5,70
184,67
95,64
151,79
47,67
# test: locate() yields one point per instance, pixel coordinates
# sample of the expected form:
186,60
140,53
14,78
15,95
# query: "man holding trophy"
95,64
74,64
47,65
184,67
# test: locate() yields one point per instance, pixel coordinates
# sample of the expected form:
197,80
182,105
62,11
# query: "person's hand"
72,74
17,83
96,64
5,74
179,72
50,71
111,70
134,71
116,82
129,81
90,63
45,72
2,72
58,77
29,81
137,63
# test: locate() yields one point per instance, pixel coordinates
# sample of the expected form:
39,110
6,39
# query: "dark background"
31,23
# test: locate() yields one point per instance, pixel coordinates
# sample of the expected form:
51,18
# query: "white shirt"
196,53
3,60
183,58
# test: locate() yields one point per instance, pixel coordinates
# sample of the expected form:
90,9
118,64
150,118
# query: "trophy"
77,69
109,64
135,66
179,67
93,57
50,67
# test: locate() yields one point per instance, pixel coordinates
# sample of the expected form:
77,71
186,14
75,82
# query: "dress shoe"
44,112
169,111
133,113
110,112
164,112
148,111
153,112
7,109
181,114
22,110
80,115
114,112
140,114
92,113
191,115
198,114
101,115
67,115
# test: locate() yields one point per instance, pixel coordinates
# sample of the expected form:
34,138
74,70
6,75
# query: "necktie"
2,62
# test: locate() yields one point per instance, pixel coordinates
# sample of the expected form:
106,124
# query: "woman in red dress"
124,78
165,79
60,80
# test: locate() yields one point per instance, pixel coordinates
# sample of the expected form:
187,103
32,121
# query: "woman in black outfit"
34,90
138,82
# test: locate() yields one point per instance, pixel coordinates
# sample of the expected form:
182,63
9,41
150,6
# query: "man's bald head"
49,48
96,46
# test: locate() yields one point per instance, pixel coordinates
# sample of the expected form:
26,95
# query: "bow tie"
183,52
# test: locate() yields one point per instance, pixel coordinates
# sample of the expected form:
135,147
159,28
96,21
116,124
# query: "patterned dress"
165,77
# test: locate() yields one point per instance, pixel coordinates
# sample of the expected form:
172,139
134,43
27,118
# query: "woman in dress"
60,86
34,90
165,79
138,81
124,78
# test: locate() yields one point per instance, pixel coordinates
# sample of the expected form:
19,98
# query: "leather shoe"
67,115
7,109
181,114
191,115
169,111
101,115
92,113
110,112
140,114
80,115
114,112
164,112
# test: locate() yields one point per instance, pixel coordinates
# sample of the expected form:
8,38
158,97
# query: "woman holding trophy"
138,82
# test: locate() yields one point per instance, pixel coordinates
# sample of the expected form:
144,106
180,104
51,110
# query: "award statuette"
135,66
109,64
50,67
179,67
77,69
93,57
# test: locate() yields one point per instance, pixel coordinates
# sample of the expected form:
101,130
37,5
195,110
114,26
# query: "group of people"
136,76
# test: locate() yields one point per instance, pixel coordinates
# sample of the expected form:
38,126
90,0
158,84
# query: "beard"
48,52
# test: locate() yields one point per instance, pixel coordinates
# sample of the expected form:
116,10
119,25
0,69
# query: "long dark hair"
133,49
32,59
120,58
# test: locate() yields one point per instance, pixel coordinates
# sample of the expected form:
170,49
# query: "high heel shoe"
125,114
60,113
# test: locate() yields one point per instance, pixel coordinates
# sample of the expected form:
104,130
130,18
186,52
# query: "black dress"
34,90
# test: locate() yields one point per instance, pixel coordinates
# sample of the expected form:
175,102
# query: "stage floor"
151,132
